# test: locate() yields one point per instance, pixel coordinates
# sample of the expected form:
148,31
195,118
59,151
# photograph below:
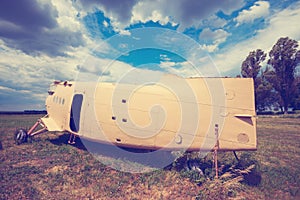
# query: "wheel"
21,136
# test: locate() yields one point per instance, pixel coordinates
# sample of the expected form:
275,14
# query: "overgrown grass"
48,168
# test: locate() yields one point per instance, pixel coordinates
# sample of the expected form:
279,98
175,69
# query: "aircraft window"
113,118
118,140
54,99
59,100
124,120
63,101
123,100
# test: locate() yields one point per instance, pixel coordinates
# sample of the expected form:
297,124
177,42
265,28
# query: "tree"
284,58
296,97
250,69
266,96
251,66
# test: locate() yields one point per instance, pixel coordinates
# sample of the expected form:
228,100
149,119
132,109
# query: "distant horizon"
22,111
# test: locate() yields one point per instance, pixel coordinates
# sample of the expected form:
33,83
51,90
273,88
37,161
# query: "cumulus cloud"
25,78
49,41
186,13
216,36
265,38
95,68
32,27
214,22
259,9
212,39
183,69
118,12
190,13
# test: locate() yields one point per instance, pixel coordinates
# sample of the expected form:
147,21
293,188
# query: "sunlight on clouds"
196,66
67,15
212,39
167,64
278,27
139,14
95,68
54,43
281,24
259,9
209,48
183,13
33,71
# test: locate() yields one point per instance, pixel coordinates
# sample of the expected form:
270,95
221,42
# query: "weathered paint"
152,116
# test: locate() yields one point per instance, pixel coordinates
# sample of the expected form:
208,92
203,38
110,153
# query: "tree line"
277,84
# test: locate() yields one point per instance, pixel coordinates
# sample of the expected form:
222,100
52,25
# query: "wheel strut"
21,135
72,138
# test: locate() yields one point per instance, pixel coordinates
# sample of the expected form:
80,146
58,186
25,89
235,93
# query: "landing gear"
72,138
21,136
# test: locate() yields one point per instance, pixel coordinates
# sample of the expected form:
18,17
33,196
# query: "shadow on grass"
121,157
128,157
115,155
63,140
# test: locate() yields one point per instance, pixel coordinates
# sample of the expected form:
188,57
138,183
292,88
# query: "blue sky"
42,41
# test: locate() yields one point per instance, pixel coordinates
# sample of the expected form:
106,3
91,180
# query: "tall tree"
252,64
251,67
266,96
284,58
296,97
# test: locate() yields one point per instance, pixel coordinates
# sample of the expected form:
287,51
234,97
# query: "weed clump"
234,175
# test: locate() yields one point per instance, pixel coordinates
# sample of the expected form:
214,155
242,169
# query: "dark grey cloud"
188,11
119,9
184,12
28,13
32,27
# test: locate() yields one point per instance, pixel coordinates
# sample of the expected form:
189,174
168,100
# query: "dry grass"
48,168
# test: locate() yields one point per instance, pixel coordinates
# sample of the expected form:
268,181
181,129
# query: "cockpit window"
52,88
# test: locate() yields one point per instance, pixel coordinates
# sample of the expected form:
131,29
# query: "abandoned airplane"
153,116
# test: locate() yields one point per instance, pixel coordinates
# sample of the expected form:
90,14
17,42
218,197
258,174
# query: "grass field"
48,168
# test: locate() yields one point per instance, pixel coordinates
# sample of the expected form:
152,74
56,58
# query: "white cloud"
67,15
105,23
6,89
214,22
164,57
40,27
167,64
190,13
209,48
217,36
94,68
187,13
183,69
259,9
212,39
282,24
139,15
